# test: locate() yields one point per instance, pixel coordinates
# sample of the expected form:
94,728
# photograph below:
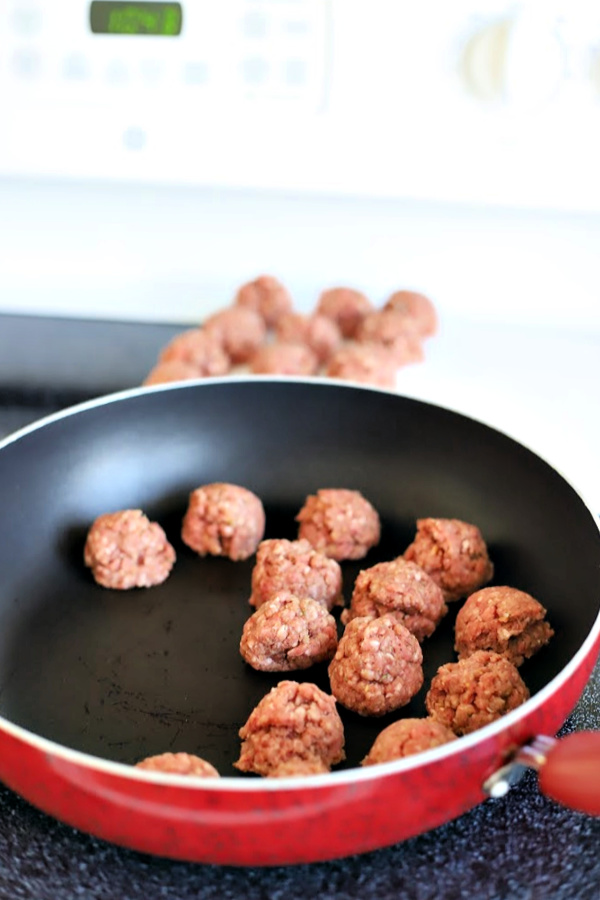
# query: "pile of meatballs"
375,666
345,337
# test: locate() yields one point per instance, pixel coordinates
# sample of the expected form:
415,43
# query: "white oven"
155,155
152,154
475,101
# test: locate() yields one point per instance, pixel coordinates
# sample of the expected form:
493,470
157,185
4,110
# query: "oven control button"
26,21
195,72
519,61
76,68
27,63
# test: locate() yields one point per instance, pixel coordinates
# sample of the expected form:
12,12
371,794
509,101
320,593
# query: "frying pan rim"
307,381
335,778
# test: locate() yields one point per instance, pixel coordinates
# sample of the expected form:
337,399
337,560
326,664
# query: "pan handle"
568,770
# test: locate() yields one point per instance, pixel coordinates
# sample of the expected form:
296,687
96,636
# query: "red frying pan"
92,680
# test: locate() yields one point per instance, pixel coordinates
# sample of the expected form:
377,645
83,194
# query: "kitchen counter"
541,386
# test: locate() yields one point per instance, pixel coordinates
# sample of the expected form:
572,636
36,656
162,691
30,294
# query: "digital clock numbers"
114,17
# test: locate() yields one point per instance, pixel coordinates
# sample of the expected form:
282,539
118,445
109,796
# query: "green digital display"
114,17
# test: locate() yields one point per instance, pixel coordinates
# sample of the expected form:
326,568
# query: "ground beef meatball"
174,370
240,331
417,309
284,359
340,523
366,363
223,520
377,667
475,691
453,553
502,619
295,566
126,550
198,349
405,738
320,333
294,730
292,768
178,764
266,296
346,306
392,331
288,632
401,589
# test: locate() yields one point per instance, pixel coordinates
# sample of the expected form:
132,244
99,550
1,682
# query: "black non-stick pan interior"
122,675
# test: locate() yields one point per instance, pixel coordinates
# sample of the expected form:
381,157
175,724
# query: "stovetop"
522,846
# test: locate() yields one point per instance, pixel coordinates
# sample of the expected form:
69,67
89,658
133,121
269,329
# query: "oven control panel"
477,100
164,55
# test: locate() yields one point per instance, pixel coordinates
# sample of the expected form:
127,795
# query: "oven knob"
517,60
594,72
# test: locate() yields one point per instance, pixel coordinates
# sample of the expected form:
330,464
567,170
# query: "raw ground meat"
174,370
365,363
346,306
340,523
377,667
223,520
401,589
284,359
320,333
475,691
288,632
198,349
416,308
394,332
502,619
405,738
266,296
453,553
126,550
179,764
298,567
240,331
294,730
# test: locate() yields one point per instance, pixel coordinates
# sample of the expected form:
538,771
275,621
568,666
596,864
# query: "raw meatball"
240,331
318,332
288,632
298,567
198,349
294,767
223,520
502,619
179,764
346,307
365,363
453,553
390,330
173,370
406,737
377,667
284,359
340,523
294,730
266,296
475,691
416,308
126,550
401,589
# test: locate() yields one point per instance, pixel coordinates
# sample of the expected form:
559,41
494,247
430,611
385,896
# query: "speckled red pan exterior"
260,825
